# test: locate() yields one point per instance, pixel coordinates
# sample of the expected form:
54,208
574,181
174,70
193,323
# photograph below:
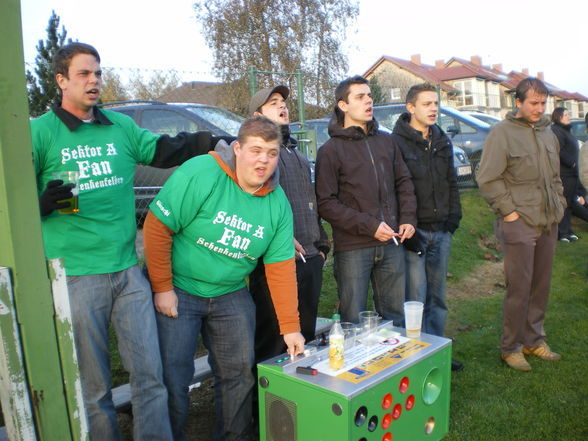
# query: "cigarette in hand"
395,241
302,257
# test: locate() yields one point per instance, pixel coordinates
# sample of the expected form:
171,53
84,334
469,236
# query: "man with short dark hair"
212,221
519,178
428,154
365,192
310,239
97,244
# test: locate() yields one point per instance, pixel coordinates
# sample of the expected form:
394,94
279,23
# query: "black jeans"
268,341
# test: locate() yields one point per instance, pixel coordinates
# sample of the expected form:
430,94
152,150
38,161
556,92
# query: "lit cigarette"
395,241
303,259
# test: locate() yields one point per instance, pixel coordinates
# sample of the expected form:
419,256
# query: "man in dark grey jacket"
428,154
310,239
519,178
365,192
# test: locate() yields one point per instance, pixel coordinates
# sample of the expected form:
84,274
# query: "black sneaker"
456,366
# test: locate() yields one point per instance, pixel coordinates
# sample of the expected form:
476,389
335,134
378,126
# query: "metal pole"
22,251
300,93
252,80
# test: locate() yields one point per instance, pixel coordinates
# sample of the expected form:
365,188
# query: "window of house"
466,94
395,94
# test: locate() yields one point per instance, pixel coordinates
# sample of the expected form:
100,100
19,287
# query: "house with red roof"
465,84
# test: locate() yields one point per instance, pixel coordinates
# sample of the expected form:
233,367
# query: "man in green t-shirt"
205,231
97,243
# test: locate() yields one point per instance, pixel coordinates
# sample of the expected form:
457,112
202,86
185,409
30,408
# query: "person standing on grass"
97,244
568,169
428,154
519,178
584,159
310,239
364,191
212,221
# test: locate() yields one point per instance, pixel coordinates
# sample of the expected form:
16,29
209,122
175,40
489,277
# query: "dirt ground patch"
486,280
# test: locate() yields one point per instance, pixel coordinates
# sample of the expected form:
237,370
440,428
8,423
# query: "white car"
484,117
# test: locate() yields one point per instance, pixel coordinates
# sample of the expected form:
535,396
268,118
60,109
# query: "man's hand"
405,231
384,233
299,249
295,343
581,200
166,303
511,217
55,192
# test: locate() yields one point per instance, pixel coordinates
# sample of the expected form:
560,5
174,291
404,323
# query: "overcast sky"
540,35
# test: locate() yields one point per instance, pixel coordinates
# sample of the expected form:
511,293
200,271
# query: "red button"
387,401
409,402
387,437
397,411
403,385
386,421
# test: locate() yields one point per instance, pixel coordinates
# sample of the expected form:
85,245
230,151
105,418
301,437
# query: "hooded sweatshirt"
361,181
519,171
204,234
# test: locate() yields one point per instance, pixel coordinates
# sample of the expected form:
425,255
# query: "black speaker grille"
280,418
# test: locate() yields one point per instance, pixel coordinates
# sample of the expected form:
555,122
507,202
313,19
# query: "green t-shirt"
100,238
220,230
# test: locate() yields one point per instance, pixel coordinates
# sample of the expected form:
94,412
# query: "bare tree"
277,37
112,87
159,83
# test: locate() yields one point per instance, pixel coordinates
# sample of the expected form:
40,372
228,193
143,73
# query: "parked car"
466,132
491,120
579,130
170,119
462,165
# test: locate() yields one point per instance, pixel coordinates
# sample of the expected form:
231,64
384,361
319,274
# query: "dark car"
579,130
466,132
170,119
463,169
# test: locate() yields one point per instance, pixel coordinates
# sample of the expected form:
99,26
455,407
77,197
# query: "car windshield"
223,119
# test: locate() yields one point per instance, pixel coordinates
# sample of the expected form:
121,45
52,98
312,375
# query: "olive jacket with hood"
430,163
361,181
519,171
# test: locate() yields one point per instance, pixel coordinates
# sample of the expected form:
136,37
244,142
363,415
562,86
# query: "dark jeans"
268,341
570,184
528,263
385,266
426,276
227,324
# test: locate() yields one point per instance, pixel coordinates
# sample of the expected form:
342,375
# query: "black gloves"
55,191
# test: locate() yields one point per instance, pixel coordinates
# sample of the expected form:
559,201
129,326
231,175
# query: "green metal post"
300,91
22,247
438,87
252,80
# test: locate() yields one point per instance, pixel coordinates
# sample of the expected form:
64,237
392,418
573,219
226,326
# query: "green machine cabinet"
397,389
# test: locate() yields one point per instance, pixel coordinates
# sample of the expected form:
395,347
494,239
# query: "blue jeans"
426,276
384,265
227,324
123,298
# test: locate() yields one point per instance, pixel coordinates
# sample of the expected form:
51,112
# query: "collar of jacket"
72,122
540,125
354,132
404,129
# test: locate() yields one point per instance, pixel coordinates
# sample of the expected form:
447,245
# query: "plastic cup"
69,177
413,317
350,332
368,322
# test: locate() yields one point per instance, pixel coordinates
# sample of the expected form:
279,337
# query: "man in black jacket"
428,153
364,191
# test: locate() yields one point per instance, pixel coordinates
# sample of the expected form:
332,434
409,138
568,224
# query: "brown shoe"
543,352
516,360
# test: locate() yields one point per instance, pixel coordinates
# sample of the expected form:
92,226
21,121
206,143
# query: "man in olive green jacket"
584,160
519,178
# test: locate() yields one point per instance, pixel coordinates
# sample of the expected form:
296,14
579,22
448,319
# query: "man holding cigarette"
365,192
310,239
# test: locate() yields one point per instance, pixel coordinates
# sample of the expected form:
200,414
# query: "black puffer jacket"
568,149
361,181
433,175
